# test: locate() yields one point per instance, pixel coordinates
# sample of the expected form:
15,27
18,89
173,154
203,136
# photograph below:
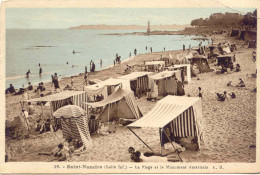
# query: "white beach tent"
166,83
102,87
187,70
151,63
181,115
120,104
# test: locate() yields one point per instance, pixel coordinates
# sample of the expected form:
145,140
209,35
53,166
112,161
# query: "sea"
53,50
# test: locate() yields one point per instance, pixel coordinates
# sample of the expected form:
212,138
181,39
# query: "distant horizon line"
156,25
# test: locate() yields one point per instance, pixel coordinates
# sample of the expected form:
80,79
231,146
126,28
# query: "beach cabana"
107,87
62,98
120,104
252,44
225,60
138,80
174,116
201,62
164,82
186,72
152,65
74,124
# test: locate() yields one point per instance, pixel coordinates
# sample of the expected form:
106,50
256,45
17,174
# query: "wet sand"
229,127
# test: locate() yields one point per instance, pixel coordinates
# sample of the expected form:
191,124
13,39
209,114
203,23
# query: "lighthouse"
148,28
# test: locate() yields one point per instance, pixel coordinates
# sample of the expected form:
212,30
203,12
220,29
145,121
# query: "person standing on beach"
27,73
151,49
39,65
100,63
90,65
72,81
86,79
56,82
146,48
86,69
93,67
135,52
183,47
40,71
164,49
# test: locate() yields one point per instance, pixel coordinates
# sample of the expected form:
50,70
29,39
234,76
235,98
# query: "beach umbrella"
69,111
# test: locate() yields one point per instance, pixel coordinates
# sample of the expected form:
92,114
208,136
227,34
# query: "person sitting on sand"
237,69
11,89
229,83
241,83
31,109
222,97
30,87
200,93
38,126
47,127
232,95
61,152
43,87
39,89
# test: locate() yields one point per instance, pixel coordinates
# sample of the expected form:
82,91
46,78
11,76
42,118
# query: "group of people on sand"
24,91
224,96
222,69
64,150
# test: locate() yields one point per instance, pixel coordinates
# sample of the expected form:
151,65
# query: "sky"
63,18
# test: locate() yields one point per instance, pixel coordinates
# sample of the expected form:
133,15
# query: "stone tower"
148,28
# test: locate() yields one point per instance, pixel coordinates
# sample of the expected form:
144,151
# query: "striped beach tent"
138,80
74,124
179,114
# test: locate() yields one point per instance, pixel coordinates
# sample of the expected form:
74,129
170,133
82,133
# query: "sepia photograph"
172,85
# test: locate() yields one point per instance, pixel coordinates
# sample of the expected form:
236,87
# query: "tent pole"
172,145
108,113
160,132
141,140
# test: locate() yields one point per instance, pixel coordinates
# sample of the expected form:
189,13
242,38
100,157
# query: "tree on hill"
250,19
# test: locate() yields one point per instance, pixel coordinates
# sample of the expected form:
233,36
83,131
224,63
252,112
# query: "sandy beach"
229,127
